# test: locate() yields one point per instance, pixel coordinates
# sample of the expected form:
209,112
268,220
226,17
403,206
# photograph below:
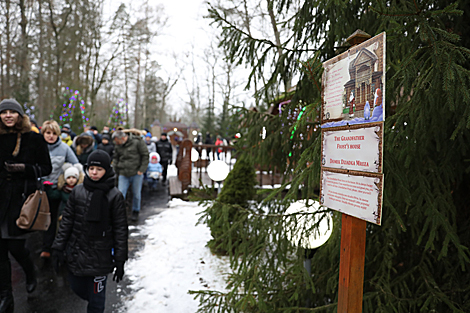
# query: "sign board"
356,148
352,143
353,85
356,194
352,130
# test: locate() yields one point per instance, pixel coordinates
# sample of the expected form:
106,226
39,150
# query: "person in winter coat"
165,150
208,141
151,147
60,153
92,237
69,130
130,161
96,134
73,176
219,142
65,137
106,145
83,145
21,149
34,125
154,171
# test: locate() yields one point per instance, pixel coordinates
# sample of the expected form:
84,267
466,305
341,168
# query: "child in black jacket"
92,238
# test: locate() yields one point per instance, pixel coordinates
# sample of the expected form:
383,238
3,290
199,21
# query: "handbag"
35,214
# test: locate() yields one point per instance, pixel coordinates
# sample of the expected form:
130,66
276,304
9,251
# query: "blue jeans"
136,182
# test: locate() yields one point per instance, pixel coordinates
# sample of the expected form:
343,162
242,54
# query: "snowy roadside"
174,260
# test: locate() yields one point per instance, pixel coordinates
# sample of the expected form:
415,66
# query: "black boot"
30,271
135,216
6,295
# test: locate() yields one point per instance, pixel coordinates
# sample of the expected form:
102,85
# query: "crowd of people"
86,179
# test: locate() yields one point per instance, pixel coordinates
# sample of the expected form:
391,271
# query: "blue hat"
148,135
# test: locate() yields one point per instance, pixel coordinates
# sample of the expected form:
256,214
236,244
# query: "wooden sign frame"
378,210
353,127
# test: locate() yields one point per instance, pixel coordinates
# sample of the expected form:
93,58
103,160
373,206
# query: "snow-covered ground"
174,260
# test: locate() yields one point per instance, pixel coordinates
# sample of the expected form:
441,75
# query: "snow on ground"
175,259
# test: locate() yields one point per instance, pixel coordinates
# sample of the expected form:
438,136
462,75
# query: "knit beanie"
71,171
11,104
106,136
99,158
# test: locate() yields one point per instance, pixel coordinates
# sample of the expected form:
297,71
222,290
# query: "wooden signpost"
352,131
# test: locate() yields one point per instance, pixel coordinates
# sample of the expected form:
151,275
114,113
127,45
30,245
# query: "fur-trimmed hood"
135,131
26,127
83,138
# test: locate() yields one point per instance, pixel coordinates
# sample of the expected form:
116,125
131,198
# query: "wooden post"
351,267
353,245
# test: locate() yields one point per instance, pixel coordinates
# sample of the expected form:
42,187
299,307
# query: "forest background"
118,56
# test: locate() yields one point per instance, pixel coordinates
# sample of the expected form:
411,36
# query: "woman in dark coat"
20,150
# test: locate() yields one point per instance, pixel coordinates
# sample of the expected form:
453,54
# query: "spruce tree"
228,212
418,260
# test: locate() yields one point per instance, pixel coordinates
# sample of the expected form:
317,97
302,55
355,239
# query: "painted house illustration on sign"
357,77
366,76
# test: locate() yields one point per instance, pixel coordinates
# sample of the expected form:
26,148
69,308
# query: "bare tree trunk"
126,78
57,30
137,110
144,103
23,86
7,93
40,89
277,36
2,63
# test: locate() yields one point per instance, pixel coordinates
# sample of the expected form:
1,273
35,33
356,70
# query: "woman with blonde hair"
59,153
22,152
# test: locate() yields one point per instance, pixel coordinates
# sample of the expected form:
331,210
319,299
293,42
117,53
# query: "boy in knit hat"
92,237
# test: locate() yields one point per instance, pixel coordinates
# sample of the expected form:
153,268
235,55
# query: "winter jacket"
165,150
59,153
32,150
82,155
68,140
151,147
154,167
131,157
87,256
219,142
109,148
